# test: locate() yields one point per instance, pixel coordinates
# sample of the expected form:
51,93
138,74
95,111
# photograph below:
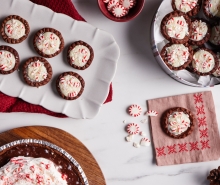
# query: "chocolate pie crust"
205,9
214,68
72,46
17,60
72,74
46,64
163,54
42,31
192,12
10,40
37,150
164,23
207,36
165,122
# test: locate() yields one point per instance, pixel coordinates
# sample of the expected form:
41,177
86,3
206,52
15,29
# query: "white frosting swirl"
177,27
48,43
79,55
203,61
215,35
7,60
31,171
185,5
177,54
214,7
178,122
70,86
14,29
36,71
217,72
200,29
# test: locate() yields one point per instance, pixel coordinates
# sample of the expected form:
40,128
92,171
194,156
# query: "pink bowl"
133,12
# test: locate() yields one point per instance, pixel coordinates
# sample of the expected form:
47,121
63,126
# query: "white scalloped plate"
97,77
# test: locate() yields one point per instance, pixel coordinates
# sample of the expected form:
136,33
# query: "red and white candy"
127,3
105,1
135,110
119,11
112,4
152,113
133,128
145,142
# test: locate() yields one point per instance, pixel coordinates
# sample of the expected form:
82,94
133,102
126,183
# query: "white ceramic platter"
97,77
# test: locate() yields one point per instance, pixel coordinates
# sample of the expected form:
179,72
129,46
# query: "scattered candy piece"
105,1
135,110
142,133
112,4
119,11
145,142
133,128
152,113
129,138
127,3
124,121
143,120
136,145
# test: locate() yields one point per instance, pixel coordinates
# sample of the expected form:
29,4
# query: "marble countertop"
138,78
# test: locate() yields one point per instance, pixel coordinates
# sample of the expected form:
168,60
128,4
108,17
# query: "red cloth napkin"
12,104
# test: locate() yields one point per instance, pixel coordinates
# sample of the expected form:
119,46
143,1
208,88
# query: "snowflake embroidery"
202,121
171,149
205,144
194,146
198,98
182,147
200,109
160,151
203,133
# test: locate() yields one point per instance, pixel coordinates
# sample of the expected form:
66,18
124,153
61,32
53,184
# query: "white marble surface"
138,79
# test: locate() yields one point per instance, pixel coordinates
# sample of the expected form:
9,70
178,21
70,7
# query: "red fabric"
12,104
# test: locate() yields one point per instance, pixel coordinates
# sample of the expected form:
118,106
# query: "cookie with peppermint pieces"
217,72
214,39
211,9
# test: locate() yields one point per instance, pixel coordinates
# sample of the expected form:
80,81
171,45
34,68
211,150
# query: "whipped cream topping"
31,171
70,86
200,29
7,60
177,27
48,43
214,7
177,54
36,71
14,29
217,72
178,122
79,55
215,35
185,5
203,61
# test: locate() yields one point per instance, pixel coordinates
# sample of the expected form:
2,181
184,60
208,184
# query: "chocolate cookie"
189,7
201,32
214,40
177,122
37,71
9,60
204,61
70,85
217,72
211,9
14,29
177,56
80,55
48,42
176,27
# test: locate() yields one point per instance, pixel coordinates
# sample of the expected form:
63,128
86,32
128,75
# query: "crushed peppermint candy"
133,128
31,171
145,142
129,138
199,30
14,29
80,55
143,120
142,133
185,5
7,60
151,113
136,145
135,110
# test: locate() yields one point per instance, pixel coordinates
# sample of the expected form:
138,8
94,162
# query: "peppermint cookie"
9,60
48,42
201,32
215,35
176,27
204,62
190,7
37,71
70,85
177,56
14,29
177,122
80,55
217,72
211,8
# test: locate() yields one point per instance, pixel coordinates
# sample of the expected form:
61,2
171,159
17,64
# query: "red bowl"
133,12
